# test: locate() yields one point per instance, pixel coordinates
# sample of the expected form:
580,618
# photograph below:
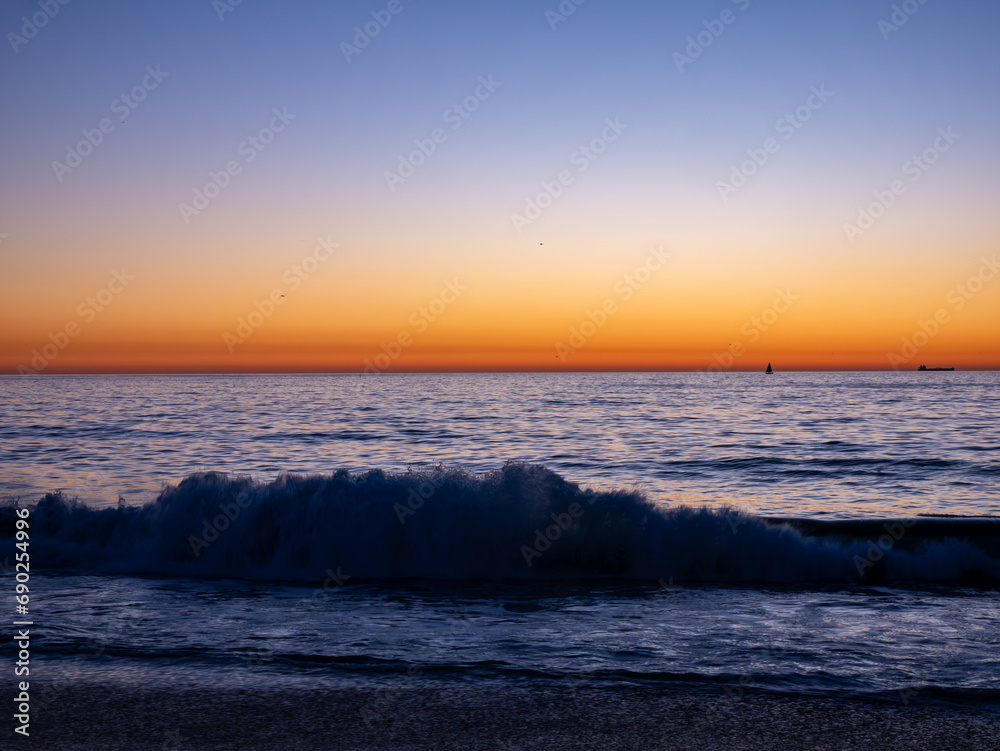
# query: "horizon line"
483,372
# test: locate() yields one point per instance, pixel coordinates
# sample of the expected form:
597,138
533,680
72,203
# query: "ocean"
830,535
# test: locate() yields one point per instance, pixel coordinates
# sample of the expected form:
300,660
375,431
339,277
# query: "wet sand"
499,718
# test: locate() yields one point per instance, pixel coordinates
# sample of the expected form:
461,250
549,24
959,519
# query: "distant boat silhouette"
924,367
769,371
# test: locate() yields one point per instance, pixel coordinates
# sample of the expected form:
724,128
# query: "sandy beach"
499,718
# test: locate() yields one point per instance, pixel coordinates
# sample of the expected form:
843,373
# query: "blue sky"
353,121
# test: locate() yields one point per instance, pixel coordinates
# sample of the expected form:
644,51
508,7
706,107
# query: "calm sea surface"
804,444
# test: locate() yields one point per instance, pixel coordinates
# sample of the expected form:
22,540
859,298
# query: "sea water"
564,529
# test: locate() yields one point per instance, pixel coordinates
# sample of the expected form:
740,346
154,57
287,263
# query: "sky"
407,185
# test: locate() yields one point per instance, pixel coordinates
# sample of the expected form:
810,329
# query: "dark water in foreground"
340,580
900,644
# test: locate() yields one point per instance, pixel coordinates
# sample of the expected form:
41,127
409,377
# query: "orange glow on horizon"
650,308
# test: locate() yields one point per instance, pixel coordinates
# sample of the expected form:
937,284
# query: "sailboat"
769,371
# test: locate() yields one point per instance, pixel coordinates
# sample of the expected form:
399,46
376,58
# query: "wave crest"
519,521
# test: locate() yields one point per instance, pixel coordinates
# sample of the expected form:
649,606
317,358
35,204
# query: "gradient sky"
767,273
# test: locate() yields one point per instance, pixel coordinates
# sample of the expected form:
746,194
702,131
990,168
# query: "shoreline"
437,715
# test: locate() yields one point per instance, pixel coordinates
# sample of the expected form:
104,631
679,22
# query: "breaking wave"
521,521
